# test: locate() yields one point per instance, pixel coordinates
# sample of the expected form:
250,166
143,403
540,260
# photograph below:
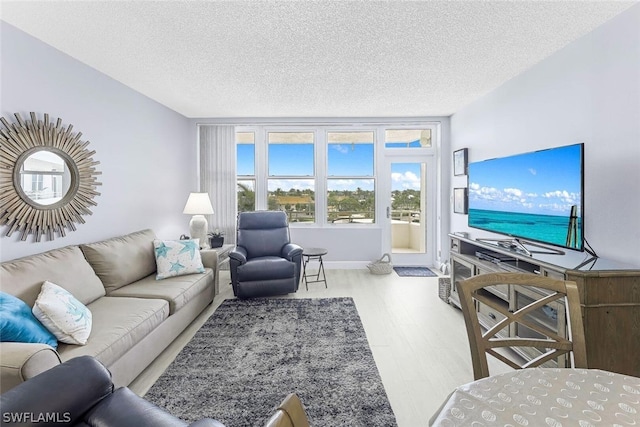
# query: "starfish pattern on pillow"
162,250
176,266
189,246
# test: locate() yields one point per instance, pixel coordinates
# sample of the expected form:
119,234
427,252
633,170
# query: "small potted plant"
216,239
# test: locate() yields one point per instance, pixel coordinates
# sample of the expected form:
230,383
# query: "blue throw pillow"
18,324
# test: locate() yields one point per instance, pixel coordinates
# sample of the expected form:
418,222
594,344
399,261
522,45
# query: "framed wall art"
460,161
460,200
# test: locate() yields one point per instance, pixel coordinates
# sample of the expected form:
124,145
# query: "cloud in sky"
288,184
344,149
513,192
516,200
563,195
350,184
333,184
405,181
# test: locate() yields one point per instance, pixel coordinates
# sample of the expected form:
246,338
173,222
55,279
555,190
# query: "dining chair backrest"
500,336
290,413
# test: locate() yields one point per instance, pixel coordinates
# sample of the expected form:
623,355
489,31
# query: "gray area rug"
251,353
414,272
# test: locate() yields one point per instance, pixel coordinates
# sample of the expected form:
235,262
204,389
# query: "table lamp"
199,205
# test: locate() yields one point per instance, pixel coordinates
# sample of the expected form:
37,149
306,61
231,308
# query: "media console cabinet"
609,296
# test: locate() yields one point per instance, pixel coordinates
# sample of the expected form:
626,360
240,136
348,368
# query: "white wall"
348,247
587,92
146,157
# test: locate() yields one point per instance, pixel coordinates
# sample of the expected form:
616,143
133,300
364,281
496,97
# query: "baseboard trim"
344,265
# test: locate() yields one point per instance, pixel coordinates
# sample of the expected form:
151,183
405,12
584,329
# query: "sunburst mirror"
47,177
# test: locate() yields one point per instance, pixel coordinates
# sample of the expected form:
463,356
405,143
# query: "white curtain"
218,177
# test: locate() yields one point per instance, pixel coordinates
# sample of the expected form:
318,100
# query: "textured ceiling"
310,59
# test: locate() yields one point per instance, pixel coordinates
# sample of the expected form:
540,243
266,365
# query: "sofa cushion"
17,323
122,260
118,324
266,268
177,291
66,267
62,314
177,257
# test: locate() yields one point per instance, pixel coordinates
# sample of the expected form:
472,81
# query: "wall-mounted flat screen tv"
536,196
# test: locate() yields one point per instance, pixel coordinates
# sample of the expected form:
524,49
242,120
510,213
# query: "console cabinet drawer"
489,316
493,316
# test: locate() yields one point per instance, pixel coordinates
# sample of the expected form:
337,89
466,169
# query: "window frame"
253,177
321,131
266,177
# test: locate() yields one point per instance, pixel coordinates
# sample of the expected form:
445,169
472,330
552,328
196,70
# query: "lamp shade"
198,204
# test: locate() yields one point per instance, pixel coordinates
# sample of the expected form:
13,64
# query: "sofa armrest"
209,258
68,391
21,361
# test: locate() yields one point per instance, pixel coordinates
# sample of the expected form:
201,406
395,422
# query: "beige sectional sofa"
135,316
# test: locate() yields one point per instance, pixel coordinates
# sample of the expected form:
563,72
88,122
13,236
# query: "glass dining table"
544,397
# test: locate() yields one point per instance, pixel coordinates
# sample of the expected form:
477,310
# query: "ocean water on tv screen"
543,228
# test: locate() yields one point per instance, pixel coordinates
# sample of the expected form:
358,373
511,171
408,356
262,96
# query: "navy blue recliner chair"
264,261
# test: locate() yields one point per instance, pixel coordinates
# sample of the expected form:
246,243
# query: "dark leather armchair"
264,262
79,392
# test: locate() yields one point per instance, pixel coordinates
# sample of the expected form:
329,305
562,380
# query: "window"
350,177
407,138
246,171
406,192
324,173
291,182
36,183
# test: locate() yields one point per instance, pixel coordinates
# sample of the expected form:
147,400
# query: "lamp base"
198,228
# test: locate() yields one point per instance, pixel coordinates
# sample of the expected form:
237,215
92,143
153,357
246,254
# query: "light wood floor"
419,343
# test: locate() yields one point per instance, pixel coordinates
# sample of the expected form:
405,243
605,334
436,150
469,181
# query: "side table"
223,256
309,254
223,261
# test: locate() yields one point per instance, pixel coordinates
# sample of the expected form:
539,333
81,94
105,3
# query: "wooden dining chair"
290,413
473,292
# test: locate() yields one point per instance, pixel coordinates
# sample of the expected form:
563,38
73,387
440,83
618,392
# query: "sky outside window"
246,153
291,153
246,159
291,159
350,184
355,159
405,176
350,155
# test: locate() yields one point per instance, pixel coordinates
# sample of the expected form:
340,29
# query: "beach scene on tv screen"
529,195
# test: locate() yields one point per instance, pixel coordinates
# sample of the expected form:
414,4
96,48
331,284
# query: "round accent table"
313,254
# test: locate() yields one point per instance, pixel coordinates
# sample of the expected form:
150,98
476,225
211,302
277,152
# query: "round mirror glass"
45,177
